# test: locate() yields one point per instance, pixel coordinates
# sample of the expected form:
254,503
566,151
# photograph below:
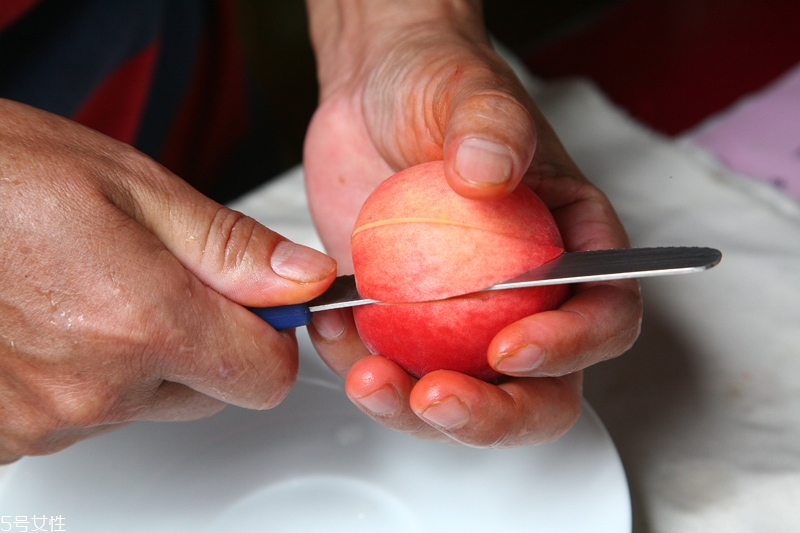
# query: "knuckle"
570,405
535,423
260,378
426,432
161,333
43,417
29,435
232,237
81,406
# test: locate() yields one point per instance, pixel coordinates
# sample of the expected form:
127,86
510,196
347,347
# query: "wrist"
346,34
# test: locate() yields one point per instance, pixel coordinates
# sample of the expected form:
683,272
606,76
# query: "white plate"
316,463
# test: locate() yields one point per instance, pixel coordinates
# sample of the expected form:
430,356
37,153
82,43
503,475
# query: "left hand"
402,91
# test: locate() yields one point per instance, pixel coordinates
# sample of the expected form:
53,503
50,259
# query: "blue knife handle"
284,316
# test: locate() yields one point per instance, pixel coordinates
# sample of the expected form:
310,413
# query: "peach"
424,251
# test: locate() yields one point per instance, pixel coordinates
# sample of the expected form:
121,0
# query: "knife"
569,267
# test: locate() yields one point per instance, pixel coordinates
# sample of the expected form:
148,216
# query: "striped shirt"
163,75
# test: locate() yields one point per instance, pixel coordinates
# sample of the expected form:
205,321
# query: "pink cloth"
760,136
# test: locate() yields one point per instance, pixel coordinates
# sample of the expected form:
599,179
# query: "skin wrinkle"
240,252
162,335
82,407
590,203
281,375
130,196
210,236
507,98
442,102
582,355
587,243
429,126
37,434
120,194
532,422
343,36
509,439
238,232
418,428
428,139
627,341
585,355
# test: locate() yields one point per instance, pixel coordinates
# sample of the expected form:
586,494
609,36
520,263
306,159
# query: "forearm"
345,32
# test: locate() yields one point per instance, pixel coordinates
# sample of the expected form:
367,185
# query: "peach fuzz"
424,251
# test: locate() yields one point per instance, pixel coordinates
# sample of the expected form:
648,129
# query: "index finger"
199,338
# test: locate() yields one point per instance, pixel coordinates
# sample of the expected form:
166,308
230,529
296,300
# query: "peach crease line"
393,221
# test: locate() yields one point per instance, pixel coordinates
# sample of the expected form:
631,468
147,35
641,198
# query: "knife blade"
569,267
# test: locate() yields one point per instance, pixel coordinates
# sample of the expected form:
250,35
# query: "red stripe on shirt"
115,107
213,117
14,9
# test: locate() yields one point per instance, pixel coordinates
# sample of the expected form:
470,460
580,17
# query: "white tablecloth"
705,409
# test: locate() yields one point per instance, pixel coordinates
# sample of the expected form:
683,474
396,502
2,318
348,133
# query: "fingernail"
526,359
329,324
450,413
483,162
382,402
300,263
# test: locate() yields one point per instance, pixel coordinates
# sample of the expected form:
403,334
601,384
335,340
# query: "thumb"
228,251
490,136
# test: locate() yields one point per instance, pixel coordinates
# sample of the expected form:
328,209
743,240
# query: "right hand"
123,289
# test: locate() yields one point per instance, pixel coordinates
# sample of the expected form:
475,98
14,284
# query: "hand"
123,289
397,91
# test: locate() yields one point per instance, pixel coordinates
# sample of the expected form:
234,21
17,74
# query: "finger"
453,407
166,324
599,322
376,385
175,402
228,251
195,334
516,413
490,137
51,414
220,349
7,457
336,339
381,389
32,423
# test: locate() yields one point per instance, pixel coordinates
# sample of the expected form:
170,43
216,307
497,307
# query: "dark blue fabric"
183,23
